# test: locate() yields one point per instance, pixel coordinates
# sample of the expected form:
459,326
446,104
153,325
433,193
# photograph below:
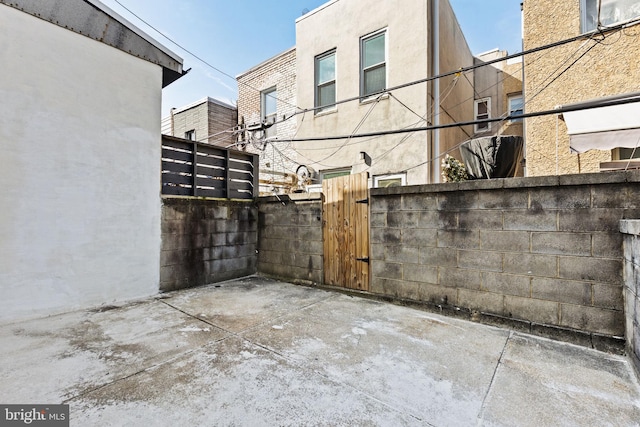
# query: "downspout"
435,153
524,94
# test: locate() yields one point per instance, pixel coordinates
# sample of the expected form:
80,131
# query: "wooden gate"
346,231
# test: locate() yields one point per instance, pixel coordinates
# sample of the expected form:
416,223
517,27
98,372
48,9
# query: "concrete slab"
221,305
405,358
546,383
232,383
53,359
261,352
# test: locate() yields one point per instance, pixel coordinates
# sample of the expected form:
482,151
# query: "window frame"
318,85
190,135
588,27
271,131
510,99
476,127
363,70
401,176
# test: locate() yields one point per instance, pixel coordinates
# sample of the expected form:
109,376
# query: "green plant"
453,170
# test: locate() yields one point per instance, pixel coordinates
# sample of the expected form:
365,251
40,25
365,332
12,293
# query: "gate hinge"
366,259
364,202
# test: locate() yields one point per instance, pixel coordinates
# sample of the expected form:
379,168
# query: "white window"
190,135
385,181
325,81
373,63
269,109
516,106
482,111
611,12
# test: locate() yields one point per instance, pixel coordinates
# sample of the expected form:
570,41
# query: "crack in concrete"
493,379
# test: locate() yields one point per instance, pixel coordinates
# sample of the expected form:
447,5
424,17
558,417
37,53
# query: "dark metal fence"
193,169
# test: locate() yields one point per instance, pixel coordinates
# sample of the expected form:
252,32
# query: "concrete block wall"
631,232
290,238
540,254
206,241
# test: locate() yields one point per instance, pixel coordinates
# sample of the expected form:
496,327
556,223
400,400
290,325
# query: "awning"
604,128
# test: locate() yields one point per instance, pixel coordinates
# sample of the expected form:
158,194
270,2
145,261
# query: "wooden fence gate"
346,231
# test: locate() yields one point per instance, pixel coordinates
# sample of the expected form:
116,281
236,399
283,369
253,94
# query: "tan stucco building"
596,66
363,62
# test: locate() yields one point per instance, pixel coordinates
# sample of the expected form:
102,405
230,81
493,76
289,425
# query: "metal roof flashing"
93,19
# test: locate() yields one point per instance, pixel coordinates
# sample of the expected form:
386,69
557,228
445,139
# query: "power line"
602,31
607,103
196,56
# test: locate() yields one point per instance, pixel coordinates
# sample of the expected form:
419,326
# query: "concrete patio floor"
260,352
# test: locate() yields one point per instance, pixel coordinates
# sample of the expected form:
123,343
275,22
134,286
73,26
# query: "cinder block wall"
631,231
542,254
290,238
206,241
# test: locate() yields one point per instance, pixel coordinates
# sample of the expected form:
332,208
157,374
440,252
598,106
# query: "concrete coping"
293,197
630,226
618,177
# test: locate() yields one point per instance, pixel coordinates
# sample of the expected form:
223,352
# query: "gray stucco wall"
539,254
631,231
206,241
290,238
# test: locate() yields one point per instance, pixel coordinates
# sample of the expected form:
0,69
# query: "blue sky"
235,35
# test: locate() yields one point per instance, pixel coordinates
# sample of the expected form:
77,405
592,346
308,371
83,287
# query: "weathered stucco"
604,67
79,170
408,59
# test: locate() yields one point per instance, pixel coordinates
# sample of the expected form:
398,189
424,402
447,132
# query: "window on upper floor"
190,135
325,81
516,106
611,12
482,111
373,63
269,109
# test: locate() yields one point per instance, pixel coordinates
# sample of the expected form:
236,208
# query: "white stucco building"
79,156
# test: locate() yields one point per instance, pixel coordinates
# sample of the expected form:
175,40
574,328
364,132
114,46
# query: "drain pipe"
435,152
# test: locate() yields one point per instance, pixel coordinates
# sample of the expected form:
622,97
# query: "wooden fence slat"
172,178
173,167
214,172
218,194
211,151
176,191
177,155
177,143
211,161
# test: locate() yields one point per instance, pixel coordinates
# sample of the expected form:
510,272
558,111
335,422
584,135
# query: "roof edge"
266,61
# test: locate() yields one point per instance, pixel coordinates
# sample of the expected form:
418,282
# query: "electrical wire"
196,56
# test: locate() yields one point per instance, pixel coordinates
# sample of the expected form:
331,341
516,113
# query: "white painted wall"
79,170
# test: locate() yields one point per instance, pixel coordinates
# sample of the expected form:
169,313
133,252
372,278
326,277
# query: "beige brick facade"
608,67
278,157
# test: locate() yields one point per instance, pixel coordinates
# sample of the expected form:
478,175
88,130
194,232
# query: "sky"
234,36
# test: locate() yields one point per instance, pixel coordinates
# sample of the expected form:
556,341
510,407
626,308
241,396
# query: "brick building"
267,93
207,120
606,64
